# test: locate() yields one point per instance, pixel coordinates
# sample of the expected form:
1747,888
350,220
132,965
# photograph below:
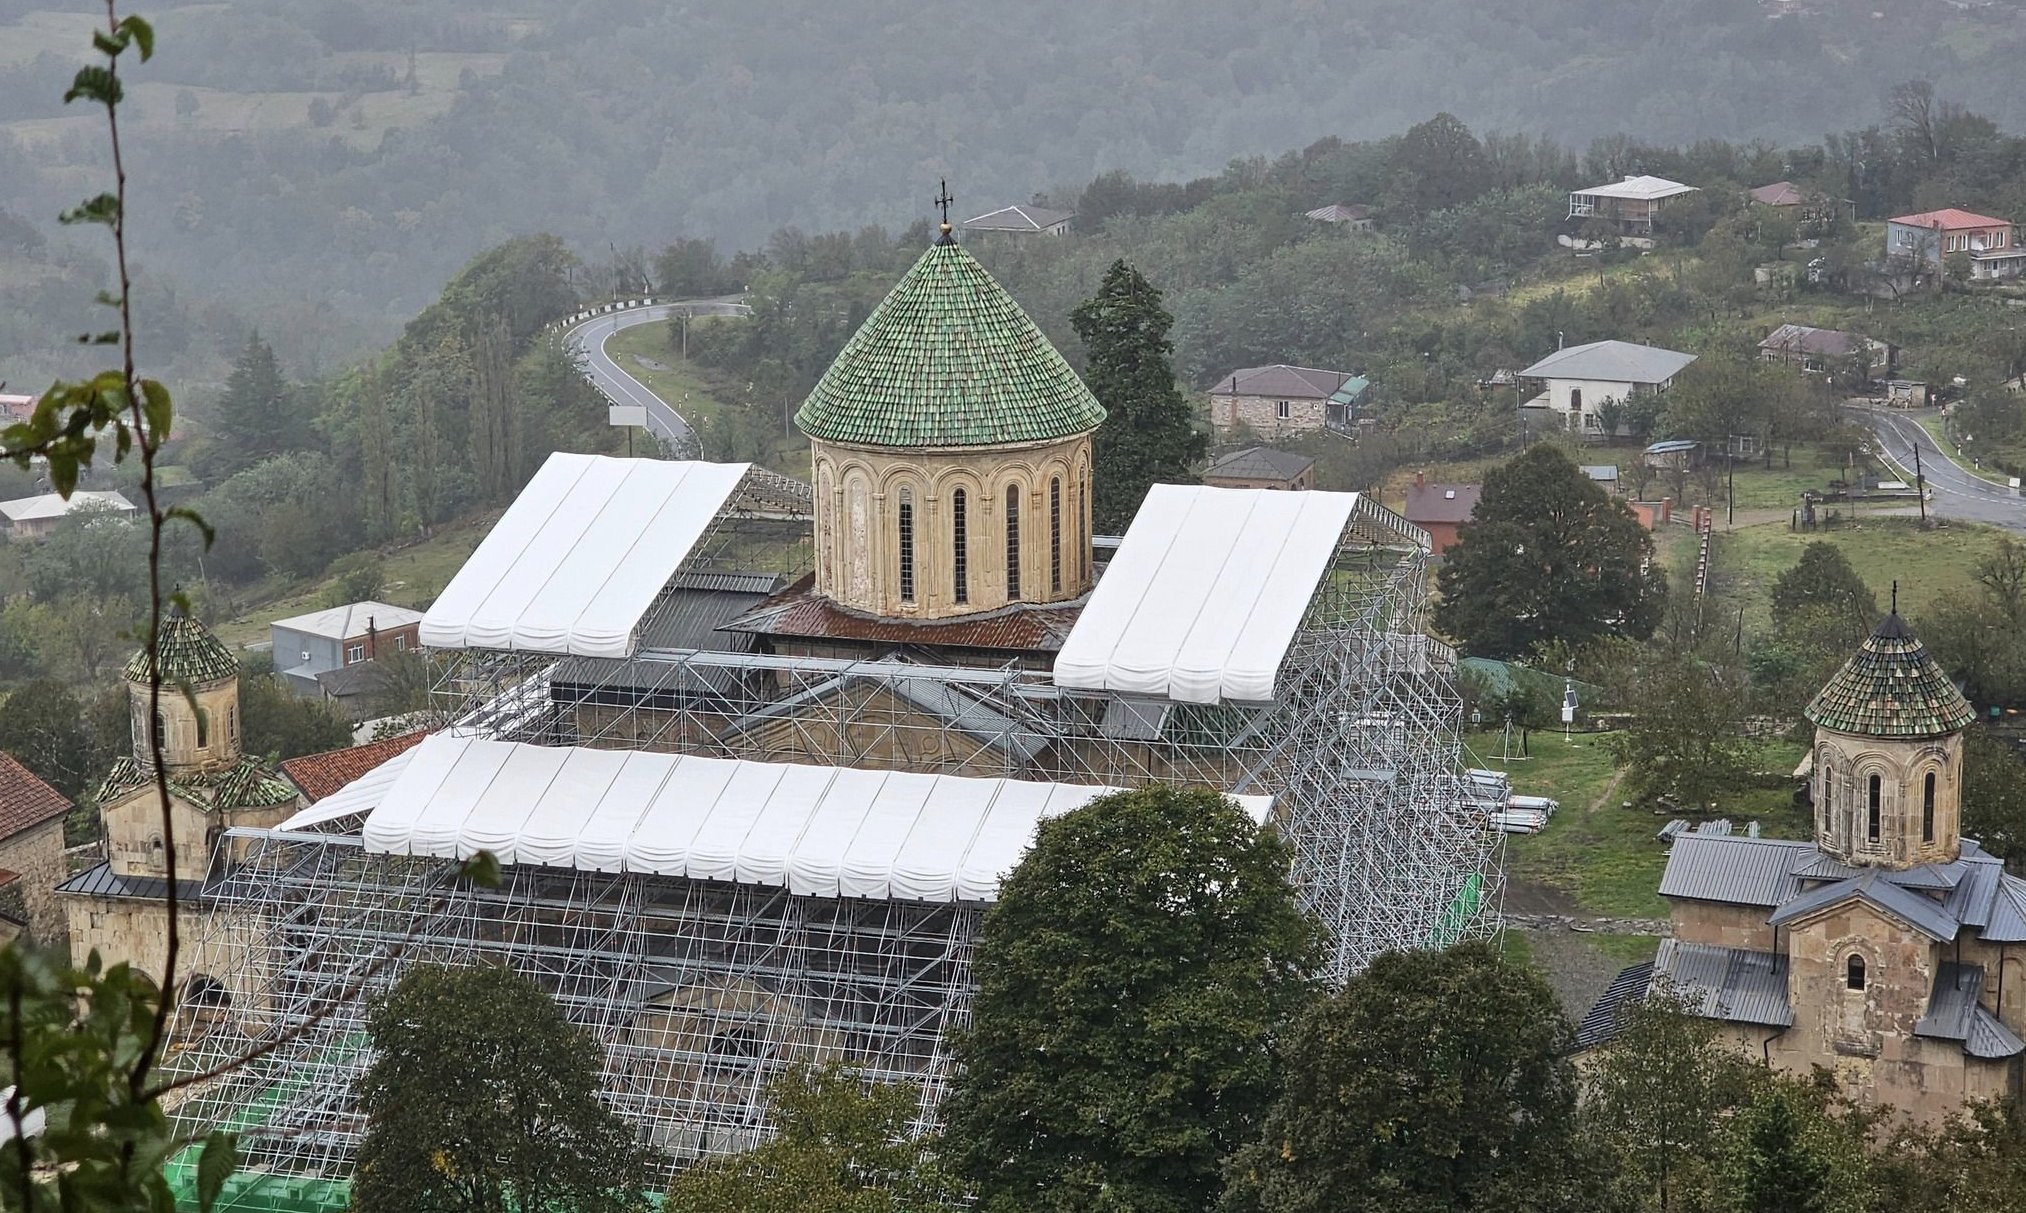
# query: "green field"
1928,564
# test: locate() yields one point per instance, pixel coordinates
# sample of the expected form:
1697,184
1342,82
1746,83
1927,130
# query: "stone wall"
37,855
1261,415
1726,926
136,931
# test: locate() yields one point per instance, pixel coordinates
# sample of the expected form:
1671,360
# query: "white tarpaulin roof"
580,556
357,796
817,831
1205,593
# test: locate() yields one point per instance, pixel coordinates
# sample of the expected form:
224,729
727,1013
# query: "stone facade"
1023,511
1891,802
36,856
1269,418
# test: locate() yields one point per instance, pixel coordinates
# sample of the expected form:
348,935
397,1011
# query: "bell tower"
198,730
1889,755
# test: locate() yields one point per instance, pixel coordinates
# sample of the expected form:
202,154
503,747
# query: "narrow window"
1871,830
959,526
1055,535
1828,781
1083,526
232,722
161,732
1927,808
202,731
907,546
1576,400
1853,972
1281,409
1013,543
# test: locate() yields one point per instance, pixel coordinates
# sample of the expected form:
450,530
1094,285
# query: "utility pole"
1731,485
1920,485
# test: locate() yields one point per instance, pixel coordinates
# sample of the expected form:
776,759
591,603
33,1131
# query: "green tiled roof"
246,784
948,359
190,653
1892,688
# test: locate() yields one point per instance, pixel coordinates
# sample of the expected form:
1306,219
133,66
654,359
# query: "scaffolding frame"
700,993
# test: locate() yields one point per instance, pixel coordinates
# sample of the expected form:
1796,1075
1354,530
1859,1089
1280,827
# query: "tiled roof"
189,653
799,611
318,775
1950,219
1891,688
1805,339
25,801
1779,193
246,784
1258,463
948,360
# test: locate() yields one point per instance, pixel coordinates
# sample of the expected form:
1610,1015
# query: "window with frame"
1876,796
1055,535
907,546
1282,409
400,644
354,652
1927,808
232,722
1853,972
960,586
1013,543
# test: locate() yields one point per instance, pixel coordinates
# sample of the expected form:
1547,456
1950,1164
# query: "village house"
1440,509
36,517
1929,238
1825,351
308,646
1631,205
1574,386
1282,401
1785,195
1025,220
1261,467
1349,217
1877,950
31,846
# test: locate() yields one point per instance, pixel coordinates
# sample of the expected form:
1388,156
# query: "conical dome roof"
190,653
948,359
1892,688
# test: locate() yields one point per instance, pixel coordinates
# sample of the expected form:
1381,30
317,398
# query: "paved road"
1957,493
620,386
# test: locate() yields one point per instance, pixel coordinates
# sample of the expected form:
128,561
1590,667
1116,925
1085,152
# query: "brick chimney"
1420,480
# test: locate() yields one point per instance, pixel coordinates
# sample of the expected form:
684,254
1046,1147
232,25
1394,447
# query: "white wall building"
1575,384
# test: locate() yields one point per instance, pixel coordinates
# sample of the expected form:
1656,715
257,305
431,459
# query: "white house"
1025,219
35,517
1632,203
1576,383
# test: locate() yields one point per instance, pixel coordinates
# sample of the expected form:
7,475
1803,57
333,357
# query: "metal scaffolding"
702,992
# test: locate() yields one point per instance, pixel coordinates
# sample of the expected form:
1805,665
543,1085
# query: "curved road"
620,387
1957,492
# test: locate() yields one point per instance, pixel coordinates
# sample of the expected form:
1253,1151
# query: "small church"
1881,950
119,907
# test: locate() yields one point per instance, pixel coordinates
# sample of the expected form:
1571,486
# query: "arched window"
1853,972
907,546
203,728
161,732
232,722
1877,792
1055,535
959,528
1012,543
1927,808
1828,780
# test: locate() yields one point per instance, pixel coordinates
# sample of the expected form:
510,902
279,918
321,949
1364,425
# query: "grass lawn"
1607,857
1927,563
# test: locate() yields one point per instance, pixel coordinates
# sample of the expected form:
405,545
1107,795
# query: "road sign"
626,414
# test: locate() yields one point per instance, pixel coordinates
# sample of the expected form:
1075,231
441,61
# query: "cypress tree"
1148,436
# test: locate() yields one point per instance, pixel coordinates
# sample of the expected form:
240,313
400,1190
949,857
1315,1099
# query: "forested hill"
328,163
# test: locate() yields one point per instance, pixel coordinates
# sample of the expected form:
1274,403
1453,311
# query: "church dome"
1891,688
189,652
948,359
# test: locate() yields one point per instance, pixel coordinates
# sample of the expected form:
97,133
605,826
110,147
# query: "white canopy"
817,831
580,556
1205,593
358,796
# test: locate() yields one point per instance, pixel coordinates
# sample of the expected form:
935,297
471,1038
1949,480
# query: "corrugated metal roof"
1728,868
1990,1039
1875,889
1258,463
1953,1002
101,881
1737,985
1611,362
951,705
1605,1018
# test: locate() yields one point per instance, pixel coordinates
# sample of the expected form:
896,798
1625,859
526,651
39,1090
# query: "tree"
481,1096
1548,555
1777,1164
1653,1096
1683,739
1434,1081
1993,796
259,415
1148,435
42,725
1133,978
839,1146
2001,573
280,724
1442,163
1821,599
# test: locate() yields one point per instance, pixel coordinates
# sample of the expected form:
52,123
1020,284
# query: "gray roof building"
1283,382
1258,463
1611,362
1028,219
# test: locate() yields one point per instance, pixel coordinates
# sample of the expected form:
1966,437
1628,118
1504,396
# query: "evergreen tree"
1133,978
1548,555
482,1097
1778,1163
1148,436
1822,598
1434,1081
258,414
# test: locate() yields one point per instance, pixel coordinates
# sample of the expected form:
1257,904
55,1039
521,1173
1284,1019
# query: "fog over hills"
326,164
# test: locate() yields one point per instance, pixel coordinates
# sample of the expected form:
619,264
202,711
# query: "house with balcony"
1631,205
1574,386
1928,239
